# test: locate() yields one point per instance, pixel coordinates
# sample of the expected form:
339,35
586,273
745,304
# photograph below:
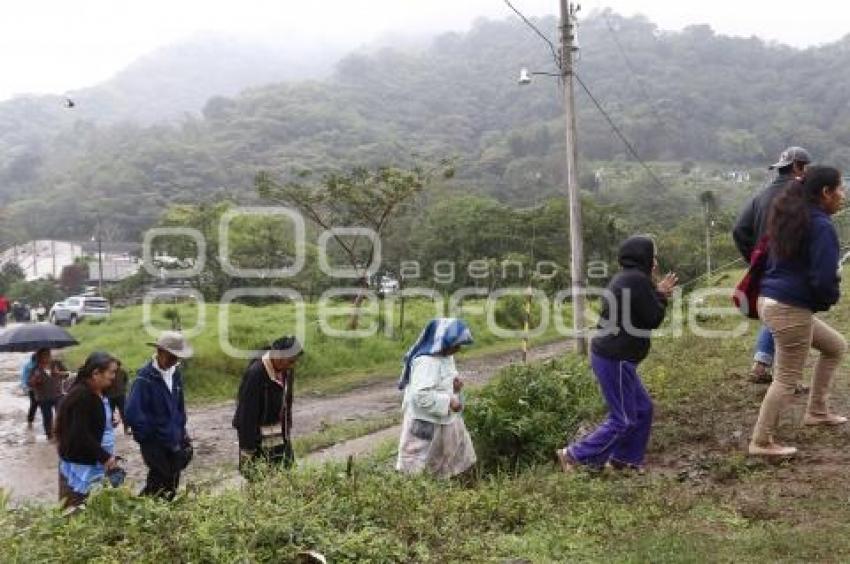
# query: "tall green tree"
360,198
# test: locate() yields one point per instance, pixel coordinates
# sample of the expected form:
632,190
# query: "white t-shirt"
167,375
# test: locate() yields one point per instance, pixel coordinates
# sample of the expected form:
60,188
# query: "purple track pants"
623,436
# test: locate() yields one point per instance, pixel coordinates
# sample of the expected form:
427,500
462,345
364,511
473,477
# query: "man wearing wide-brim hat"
156,413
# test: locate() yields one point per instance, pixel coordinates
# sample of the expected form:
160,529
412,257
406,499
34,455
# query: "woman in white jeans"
433,435
801,279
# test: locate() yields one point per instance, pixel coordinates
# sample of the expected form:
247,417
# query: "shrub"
510,313
527,411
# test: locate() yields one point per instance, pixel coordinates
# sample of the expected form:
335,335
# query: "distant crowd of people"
19,312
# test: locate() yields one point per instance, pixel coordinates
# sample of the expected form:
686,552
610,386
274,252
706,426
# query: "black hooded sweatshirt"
624,333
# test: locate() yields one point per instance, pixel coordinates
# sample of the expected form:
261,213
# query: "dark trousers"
47,407
623,436
163,470
33,407
2,318
276,456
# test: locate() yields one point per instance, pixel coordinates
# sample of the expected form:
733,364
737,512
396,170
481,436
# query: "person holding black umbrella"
46,385
38,338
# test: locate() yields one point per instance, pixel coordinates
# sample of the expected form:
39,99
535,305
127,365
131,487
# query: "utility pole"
707,241
99,264
577,273
98,235
708,201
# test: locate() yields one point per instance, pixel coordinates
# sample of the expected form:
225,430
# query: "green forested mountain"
684,96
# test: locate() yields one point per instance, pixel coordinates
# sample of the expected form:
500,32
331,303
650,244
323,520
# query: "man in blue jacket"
751,227
156,413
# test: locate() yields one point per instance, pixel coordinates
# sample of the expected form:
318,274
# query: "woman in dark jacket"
801,278
46,384
263,418
635,305
84,430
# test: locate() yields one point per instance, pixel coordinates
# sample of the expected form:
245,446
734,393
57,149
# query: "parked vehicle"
76,308
20,312
387,285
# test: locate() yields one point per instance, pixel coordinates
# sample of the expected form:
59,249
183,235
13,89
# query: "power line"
631,68
740,259
626,58
537,31
617,130
599,107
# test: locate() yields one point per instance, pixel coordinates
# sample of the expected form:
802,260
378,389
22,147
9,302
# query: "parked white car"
76,308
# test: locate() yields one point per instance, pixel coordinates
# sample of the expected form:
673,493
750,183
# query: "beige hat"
175,343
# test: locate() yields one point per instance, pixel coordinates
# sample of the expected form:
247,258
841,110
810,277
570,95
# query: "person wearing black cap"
263,418
752,226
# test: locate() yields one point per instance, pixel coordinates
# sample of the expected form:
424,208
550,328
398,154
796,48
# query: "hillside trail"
703,445
28,462
699,444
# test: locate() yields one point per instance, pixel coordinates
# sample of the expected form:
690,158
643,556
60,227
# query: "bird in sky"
69,103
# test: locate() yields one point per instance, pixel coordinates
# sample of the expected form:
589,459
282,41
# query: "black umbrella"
30,337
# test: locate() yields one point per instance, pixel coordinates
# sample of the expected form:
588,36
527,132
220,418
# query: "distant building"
115,268
46,258
42,258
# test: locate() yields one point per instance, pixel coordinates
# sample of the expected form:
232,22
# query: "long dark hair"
95,361
788,221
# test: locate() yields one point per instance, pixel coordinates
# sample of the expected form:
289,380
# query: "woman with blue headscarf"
433,435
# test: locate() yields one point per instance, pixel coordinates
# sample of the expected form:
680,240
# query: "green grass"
330,364
705,501
378,516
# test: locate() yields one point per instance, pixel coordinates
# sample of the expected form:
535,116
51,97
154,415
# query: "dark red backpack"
747,291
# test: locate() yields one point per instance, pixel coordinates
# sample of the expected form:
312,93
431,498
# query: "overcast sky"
52,46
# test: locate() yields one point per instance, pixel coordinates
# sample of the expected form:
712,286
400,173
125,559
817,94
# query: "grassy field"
702,501
331,363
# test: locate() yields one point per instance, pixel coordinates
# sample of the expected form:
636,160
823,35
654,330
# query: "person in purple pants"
634,306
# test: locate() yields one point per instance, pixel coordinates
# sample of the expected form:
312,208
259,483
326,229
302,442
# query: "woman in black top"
84,430
263,418
47,388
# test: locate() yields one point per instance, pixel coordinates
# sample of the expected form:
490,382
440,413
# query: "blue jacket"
153,413
26,372
811,280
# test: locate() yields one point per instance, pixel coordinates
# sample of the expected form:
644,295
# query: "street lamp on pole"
97,237
565,62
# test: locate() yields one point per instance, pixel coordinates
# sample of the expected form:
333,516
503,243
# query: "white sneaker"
828,419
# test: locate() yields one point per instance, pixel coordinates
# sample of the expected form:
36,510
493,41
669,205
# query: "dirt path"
28,461
703,444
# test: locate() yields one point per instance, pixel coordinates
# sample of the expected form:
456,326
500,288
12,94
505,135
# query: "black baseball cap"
790,156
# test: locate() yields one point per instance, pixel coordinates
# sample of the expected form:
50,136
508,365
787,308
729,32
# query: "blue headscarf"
440,334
